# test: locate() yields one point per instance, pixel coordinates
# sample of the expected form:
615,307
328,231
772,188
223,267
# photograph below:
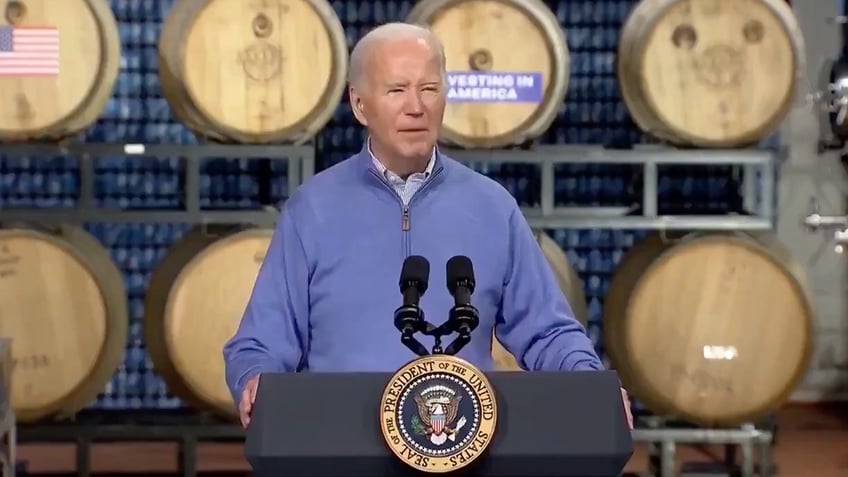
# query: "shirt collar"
388,174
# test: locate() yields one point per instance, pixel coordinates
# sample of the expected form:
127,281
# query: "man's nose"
413,105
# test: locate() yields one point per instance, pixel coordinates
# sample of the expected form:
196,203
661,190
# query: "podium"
549,424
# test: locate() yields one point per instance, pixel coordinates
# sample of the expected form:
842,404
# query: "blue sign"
494,87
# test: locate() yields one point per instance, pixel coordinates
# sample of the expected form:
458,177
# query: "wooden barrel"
63,304
715,328
497,96
719,73
259,73
571,285
63,88
194,303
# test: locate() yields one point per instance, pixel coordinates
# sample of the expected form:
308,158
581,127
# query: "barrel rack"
187,429
759,177
301,164
758,169
8,440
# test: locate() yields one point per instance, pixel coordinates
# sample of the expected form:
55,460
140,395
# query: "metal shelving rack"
758,178
301,160
663,437
754,163
88,428
8,442
187,430
301,164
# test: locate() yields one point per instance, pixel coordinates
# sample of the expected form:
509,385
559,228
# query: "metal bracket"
8,451
753,162
663,446
301,159
301,163
837,225
88,428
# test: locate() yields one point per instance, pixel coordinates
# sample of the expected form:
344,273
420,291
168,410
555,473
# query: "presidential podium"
566,424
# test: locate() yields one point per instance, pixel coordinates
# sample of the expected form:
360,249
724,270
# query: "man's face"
401,99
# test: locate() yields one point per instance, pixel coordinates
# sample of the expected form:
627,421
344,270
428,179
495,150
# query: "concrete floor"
811,441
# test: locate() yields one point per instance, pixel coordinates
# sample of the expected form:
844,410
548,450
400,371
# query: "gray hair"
392,31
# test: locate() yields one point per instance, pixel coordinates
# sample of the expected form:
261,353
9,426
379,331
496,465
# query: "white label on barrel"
494,87
724,353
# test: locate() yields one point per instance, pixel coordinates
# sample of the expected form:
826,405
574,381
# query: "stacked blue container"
137,113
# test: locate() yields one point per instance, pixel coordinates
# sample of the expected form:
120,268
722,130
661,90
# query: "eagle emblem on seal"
438,407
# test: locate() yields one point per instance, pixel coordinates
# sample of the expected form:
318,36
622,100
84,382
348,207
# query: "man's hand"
248,395
626,401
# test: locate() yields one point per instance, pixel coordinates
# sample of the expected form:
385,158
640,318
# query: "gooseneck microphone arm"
409,317
463,317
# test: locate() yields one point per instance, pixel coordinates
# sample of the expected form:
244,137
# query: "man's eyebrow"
404,84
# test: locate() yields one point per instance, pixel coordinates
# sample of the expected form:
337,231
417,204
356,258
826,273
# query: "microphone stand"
462,319
409,319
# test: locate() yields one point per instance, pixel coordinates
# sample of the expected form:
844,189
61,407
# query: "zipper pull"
404,224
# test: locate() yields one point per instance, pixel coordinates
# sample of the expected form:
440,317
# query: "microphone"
463,317
460,275
414,277
409,318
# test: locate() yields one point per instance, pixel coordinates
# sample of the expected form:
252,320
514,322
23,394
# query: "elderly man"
326,292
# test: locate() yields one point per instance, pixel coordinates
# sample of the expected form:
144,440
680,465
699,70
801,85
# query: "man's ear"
357,106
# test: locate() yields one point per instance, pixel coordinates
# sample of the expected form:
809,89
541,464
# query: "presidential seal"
438,413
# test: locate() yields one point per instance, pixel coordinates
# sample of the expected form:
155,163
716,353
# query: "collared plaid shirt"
405,189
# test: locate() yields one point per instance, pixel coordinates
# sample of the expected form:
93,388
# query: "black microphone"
460,275
414,277
409,318
460,281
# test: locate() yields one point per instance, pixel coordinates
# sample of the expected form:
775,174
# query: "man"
326,292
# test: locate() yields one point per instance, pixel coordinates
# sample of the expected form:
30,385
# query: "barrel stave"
710,74
277,75
480,36
187,321
715,328
110,66
56,106
70,338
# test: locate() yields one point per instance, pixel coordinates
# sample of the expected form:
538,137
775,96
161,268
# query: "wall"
805,174
593,114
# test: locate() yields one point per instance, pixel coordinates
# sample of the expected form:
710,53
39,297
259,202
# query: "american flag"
29,51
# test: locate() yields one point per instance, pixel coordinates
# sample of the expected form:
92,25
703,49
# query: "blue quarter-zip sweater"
326,293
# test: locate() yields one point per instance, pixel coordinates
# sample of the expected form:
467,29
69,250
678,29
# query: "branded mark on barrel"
720,66
8,261
494,87
23,108
701,379
31,362
261,61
